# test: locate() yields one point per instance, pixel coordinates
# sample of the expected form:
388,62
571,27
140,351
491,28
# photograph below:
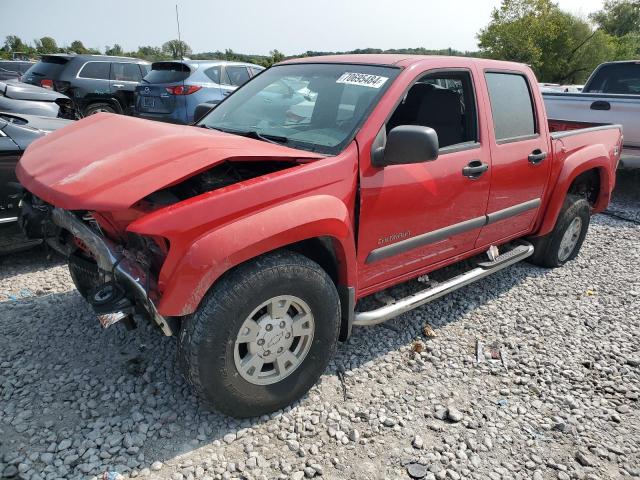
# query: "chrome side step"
374,317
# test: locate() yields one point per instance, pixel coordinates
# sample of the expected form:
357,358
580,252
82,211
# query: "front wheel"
262,336
563,243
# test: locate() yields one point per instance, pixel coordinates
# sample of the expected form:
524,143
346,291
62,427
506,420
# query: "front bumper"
114,263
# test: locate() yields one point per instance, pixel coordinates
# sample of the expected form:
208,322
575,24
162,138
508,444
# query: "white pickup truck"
610,96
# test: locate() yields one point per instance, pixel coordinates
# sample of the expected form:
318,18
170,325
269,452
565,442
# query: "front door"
519,150
414,216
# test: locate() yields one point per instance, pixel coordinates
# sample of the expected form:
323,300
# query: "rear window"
167,72
48,67
620,78
95,70
511,106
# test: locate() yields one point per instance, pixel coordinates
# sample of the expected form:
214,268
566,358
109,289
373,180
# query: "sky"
258,26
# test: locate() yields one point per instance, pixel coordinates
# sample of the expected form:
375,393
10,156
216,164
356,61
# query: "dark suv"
13,69
96,83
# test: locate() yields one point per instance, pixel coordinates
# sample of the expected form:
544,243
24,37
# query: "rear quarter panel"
574,153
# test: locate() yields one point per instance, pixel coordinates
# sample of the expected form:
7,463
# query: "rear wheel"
262,336
98,108
563,243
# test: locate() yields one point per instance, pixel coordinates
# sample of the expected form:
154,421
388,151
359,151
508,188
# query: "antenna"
179,38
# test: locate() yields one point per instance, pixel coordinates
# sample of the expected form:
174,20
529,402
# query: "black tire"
206,343
84,274
547,248
99,107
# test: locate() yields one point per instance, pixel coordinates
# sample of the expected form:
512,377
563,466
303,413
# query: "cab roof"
404,60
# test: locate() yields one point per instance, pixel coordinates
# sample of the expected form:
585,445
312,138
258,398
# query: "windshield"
316,107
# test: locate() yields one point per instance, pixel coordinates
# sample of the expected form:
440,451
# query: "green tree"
559,46
46,45
176,49
148,52
619,17
78,47
13,43
276,56
115,51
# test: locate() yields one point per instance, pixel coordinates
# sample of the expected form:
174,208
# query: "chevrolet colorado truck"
611,95
251,235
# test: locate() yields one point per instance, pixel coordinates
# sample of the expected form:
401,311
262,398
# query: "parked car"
171,91
21,98
16,134
251,235
13,69
96,83
611,95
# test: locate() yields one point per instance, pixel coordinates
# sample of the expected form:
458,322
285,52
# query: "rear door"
520,153
123,81
233,76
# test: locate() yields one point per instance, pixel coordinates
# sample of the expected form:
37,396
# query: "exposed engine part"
110,258
220,176
109,297
35,218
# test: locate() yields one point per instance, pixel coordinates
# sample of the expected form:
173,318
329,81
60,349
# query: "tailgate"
599,109
154,99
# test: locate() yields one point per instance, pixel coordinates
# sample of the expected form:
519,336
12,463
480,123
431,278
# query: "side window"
144,68
238,75
511,106
255,71
444,101
214,74
95,70
125,72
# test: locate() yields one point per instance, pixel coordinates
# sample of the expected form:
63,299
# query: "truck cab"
252,235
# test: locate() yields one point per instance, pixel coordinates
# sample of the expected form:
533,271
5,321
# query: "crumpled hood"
108,162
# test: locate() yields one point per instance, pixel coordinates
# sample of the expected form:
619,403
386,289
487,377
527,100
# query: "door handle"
537,156
475,169
118,85
600,105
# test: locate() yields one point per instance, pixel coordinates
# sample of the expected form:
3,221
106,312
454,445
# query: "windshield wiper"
265,137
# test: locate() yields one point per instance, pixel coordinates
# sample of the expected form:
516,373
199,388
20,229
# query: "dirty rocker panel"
446,232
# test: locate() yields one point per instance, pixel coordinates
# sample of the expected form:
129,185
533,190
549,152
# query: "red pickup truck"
252,234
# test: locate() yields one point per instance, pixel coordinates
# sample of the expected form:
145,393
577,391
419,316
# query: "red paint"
108,163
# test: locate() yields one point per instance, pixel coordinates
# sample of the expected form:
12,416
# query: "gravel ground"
556,393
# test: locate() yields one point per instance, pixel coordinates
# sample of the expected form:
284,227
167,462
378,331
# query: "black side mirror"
405,144
203,109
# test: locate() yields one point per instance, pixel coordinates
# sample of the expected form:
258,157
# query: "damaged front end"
117,282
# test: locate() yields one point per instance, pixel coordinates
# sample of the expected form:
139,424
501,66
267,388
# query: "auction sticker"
362,79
